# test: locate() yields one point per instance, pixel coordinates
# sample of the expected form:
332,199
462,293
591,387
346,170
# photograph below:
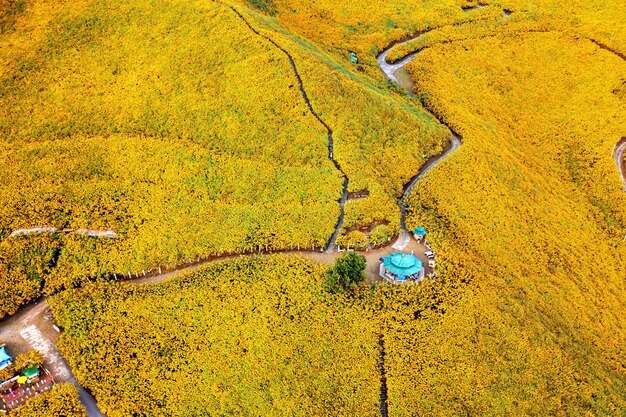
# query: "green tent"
31,372
402,264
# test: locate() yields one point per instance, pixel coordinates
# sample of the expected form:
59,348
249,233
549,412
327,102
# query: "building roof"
30,372
399,263
4,356
420,231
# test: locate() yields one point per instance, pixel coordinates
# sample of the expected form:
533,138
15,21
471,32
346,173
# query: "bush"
28,359
381,235
62,401
354,239
348,272
7,373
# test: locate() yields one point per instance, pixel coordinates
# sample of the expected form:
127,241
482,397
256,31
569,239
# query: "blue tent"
419,231
402,264
5,359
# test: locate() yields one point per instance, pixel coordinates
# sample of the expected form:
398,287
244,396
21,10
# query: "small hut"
399,268
419,232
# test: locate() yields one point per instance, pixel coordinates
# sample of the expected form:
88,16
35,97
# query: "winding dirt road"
390,70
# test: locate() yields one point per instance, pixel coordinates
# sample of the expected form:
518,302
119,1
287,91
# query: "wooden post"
160,271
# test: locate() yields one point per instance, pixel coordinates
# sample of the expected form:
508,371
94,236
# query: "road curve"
32,328
455,140
618,155
453,145
390,69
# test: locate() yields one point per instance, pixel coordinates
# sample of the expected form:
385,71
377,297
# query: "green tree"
347,273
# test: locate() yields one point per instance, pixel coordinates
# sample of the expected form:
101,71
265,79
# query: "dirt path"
390,71
453,145
329,132
384,408
32,328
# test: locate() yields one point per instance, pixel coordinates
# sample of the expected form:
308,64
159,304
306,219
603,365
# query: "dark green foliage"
10,10
265,6
347,273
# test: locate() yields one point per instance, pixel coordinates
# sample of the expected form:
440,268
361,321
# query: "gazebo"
5,359
401,267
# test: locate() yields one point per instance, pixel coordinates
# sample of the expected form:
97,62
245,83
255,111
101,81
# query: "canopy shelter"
5,359
419,231
401,267
31,372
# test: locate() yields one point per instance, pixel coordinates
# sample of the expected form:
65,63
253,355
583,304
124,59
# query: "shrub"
28,359
346,274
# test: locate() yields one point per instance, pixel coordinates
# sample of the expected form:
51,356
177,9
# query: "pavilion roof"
399,263
4,356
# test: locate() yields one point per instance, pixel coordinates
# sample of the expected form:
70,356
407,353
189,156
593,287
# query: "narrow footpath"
384,407
329,132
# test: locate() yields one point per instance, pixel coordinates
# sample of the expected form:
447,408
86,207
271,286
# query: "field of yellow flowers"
183,136
185,128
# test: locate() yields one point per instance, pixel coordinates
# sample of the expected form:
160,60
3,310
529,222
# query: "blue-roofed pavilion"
401,267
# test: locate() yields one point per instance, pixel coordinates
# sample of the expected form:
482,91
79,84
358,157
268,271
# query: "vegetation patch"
254,336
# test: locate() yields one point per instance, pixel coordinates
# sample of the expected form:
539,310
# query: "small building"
419,232
400,268
5,359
